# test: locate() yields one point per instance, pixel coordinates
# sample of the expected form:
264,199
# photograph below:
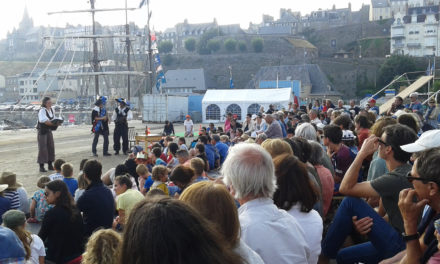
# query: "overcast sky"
166,13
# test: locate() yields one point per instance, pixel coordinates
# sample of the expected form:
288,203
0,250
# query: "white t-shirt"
37,250
188,125
56,176
312,225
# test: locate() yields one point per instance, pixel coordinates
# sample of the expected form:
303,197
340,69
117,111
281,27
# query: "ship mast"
95,61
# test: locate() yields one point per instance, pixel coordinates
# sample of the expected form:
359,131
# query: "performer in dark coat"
100,126
46,146
120,116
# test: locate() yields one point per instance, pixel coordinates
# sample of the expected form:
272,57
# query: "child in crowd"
155,157
182,143
162,155
211,129
72,183
225,139
145,180
39,205
82,186
160,177
57,166
198,165
81,166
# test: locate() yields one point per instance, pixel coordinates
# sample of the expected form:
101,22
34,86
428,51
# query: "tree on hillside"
230,45
202,45
257,44
242,46
213,45
394,66
190,44
165,47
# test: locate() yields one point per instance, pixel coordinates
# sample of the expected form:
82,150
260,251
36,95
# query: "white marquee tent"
217,103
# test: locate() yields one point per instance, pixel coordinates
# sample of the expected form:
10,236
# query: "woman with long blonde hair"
103,247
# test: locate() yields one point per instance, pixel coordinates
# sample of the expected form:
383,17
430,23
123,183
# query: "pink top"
435,259
227,125
328,184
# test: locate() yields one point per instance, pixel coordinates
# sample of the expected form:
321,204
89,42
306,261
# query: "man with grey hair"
274,128
313,114
415,105
273,233
307,131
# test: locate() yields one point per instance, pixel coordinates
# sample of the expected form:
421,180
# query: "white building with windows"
416,34
217,103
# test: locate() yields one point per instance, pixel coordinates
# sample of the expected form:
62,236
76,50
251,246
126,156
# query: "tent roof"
248,96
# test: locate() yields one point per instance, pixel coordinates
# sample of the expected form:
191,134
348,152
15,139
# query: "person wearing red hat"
373,106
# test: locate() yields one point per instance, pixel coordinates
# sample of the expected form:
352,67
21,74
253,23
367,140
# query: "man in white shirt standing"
120,116
274,234
189,126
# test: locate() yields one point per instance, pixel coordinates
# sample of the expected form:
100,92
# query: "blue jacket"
212,154
283,128
222,150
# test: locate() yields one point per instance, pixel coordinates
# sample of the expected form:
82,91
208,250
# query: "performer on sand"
120,116
46,123
100,126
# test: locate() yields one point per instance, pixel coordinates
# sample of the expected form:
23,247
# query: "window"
34,82
253,109
234,109
212,112
21,83
35,90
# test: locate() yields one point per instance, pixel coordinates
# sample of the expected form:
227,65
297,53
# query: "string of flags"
160,75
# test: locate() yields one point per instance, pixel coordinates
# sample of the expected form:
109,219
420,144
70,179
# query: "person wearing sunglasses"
425,179
62,229
385,236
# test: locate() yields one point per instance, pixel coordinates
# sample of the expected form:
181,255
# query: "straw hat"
10,179
3,187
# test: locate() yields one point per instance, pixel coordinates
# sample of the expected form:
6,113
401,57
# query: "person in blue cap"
121,116
100,125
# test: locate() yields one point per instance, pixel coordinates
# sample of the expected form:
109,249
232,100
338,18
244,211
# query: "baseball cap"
13,218
372,100
429,139
254,116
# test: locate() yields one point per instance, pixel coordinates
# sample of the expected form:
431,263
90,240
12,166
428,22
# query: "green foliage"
167,60
311,36
242,46
190,44
363,86
394,66
230,45
257,44
436,86
213,45
202,46
165,47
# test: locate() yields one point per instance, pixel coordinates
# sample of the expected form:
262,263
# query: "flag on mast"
160,75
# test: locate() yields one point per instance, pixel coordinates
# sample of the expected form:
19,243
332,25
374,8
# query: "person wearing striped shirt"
11,192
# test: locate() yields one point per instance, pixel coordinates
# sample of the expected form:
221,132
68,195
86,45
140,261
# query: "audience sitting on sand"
282,176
